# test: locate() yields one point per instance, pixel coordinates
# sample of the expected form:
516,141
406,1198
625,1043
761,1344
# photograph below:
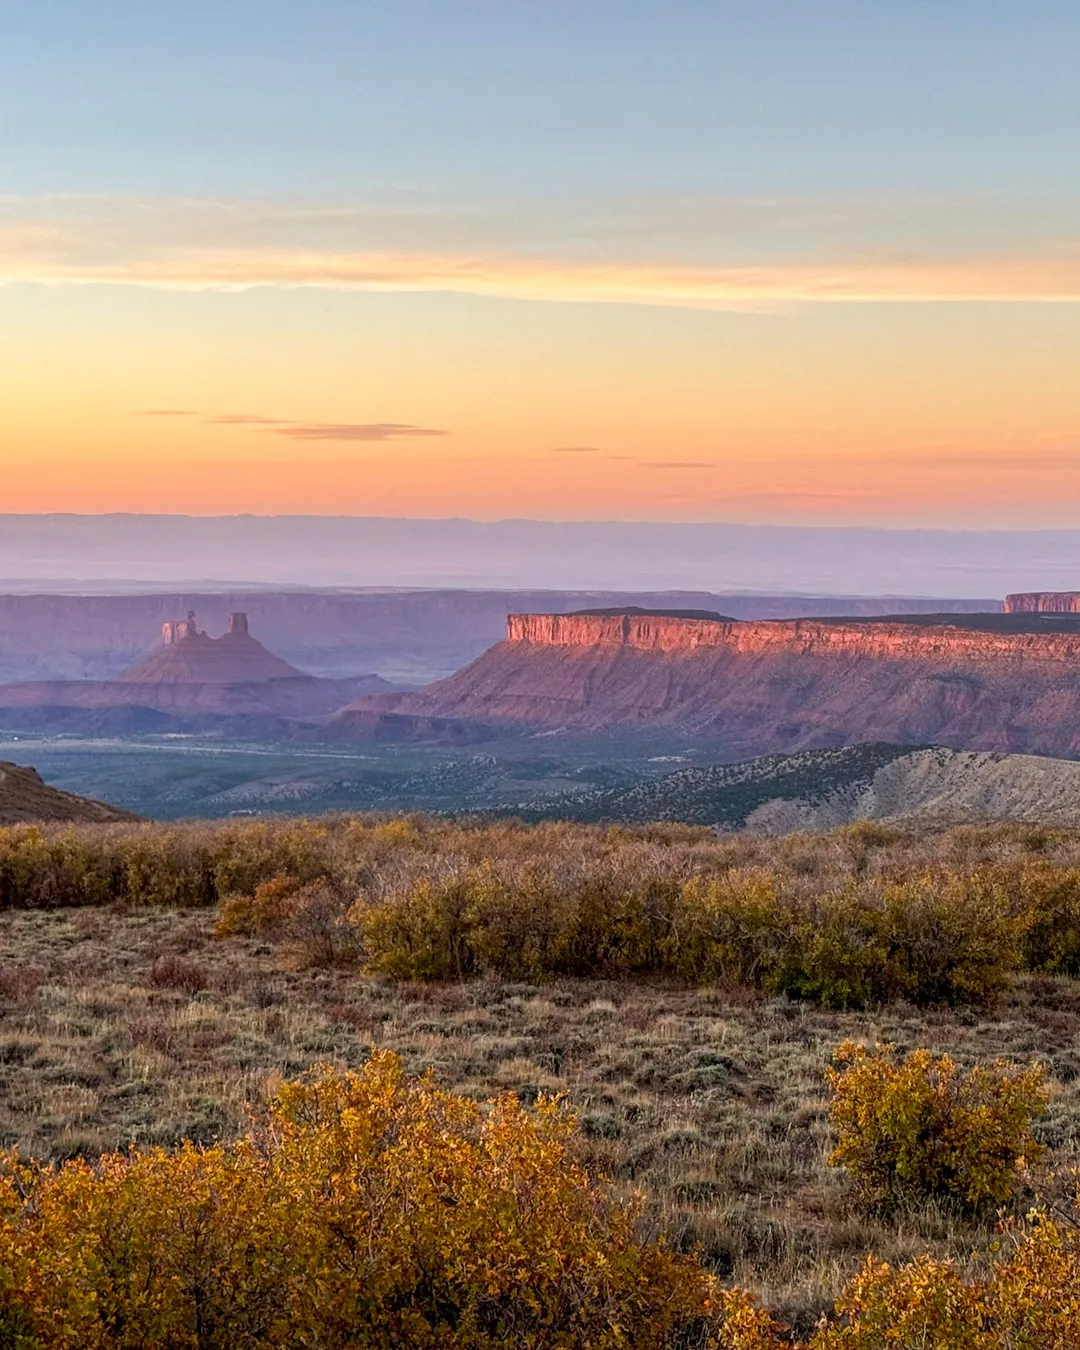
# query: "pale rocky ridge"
819,790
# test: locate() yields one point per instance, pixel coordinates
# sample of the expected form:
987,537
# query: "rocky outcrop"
1043,602
191,676
25,797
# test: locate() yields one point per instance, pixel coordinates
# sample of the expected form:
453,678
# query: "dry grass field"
122,1025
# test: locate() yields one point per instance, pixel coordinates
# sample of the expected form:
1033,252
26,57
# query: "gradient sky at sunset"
583,259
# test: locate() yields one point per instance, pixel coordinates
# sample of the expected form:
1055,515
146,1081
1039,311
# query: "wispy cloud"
575,450
165,412
915,280
245,420
677,464
709,258
356,431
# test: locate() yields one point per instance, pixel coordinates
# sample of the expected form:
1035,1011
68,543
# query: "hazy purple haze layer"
151,552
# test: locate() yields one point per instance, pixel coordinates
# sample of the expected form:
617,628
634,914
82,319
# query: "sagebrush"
859,917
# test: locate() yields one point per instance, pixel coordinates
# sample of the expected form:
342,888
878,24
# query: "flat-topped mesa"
882,640
988,681
1043,602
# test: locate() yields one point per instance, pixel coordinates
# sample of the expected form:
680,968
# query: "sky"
705,261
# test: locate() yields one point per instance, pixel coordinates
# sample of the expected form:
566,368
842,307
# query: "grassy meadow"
158,983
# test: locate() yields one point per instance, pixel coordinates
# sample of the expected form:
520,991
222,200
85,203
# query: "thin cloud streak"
767,286
165,412
761,254
676,464
1049,275
356,431
246,420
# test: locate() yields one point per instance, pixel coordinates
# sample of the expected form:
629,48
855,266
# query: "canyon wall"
810,637
407,636
1043,602
759,687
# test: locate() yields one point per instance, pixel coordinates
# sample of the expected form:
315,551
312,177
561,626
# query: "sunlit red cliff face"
1043,602
768,686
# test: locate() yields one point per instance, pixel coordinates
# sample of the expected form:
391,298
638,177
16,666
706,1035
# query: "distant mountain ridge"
821,789
717,556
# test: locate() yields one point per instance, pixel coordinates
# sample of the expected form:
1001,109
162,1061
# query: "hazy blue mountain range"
145,551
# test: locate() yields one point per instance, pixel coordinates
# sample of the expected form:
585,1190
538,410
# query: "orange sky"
121,397
769,262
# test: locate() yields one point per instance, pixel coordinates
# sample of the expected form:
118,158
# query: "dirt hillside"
25,797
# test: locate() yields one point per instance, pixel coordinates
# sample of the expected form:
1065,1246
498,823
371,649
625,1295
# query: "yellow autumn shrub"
367,1210
919,1128
370,1211
262,913
1028,1301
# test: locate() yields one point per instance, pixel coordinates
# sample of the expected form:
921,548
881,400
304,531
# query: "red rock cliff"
883,641
758,687
1043,602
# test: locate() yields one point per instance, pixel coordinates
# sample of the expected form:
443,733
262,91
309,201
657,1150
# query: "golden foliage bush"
370,1211
928,939
1027,1302
919,1128
367,1210
263,913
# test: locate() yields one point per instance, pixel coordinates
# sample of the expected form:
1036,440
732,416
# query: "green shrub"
1049,900
919,1129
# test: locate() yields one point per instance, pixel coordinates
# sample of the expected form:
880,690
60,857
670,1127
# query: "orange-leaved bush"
919,1128
366,1210
1028,1301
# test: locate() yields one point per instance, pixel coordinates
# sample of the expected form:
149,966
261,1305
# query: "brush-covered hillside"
820,789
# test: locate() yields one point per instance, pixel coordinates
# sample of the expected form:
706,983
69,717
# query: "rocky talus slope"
25,798
818,790
993,682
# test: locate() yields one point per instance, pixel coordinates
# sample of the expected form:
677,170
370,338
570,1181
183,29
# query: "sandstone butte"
989,682
193,673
